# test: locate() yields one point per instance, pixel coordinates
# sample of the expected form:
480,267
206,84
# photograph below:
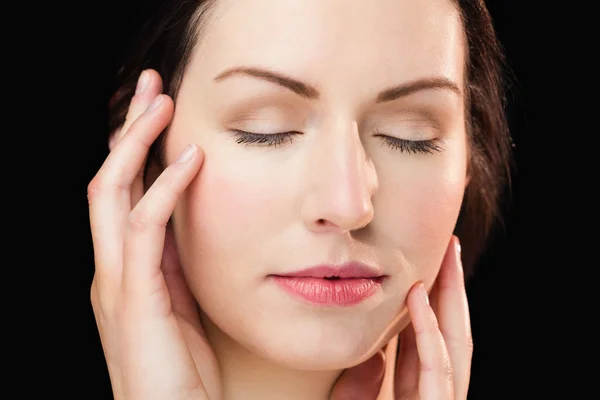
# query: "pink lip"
351,284
347,270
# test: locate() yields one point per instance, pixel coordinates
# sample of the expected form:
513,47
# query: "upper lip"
347,270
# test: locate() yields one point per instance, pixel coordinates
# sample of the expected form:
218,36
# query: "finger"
143,279
183,302
362,382
407,367
452,309
149,85
435,369
109,191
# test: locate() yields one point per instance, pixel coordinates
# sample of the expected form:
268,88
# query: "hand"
435,349
153,341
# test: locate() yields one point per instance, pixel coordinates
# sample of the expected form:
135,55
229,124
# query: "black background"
517,332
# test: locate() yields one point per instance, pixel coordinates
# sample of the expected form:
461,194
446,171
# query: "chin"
298,336
301,355
317,345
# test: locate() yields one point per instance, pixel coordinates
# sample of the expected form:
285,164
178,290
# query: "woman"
272,234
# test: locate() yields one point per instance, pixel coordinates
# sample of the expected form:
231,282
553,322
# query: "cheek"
226,216
418,207
224,200
432,208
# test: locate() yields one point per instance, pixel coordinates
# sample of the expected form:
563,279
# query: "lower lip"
325,292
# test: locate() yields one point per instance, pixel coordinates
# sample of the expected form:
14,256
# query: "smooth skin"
154,343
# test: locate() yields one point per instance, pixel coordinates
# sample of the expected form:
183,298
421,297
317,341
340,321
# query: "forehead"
332,42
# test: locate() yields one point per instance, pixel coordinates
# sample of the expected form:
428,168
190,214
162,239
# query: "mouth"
327,285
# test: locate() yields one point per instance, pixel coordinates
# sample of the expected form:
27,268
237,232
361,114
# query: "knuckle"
138,221
100,184
141,220
94,188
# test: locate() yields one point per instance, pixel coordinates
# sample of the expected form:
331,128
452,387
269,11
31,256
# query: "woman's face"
373,172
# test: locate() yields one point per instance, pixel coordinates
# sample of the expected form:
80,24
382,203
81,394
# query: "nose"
342,183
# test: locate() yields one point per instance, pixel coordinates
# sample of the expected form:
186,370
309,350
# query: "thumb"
361,382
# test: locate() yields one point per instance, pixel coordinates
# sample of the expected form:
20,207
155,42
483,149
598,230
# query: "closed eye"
429,146
265,139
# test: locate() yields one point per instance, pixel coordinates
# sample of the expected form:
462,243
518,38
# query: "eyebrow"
305,90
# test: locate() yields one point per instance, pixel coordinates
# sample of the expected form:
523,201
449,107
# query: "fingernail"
187,154
142,83
458,249
155,103
423,292
457,245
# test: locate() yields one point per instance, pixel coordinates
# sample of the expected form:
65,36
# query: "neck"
247,376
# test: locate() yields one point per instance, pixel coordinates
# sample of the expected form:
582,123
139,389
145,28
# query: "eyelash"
278,139
411,146
264,140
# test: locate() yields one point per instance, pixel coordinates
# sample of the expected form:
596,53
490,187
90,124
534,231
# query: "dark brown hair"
166,41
